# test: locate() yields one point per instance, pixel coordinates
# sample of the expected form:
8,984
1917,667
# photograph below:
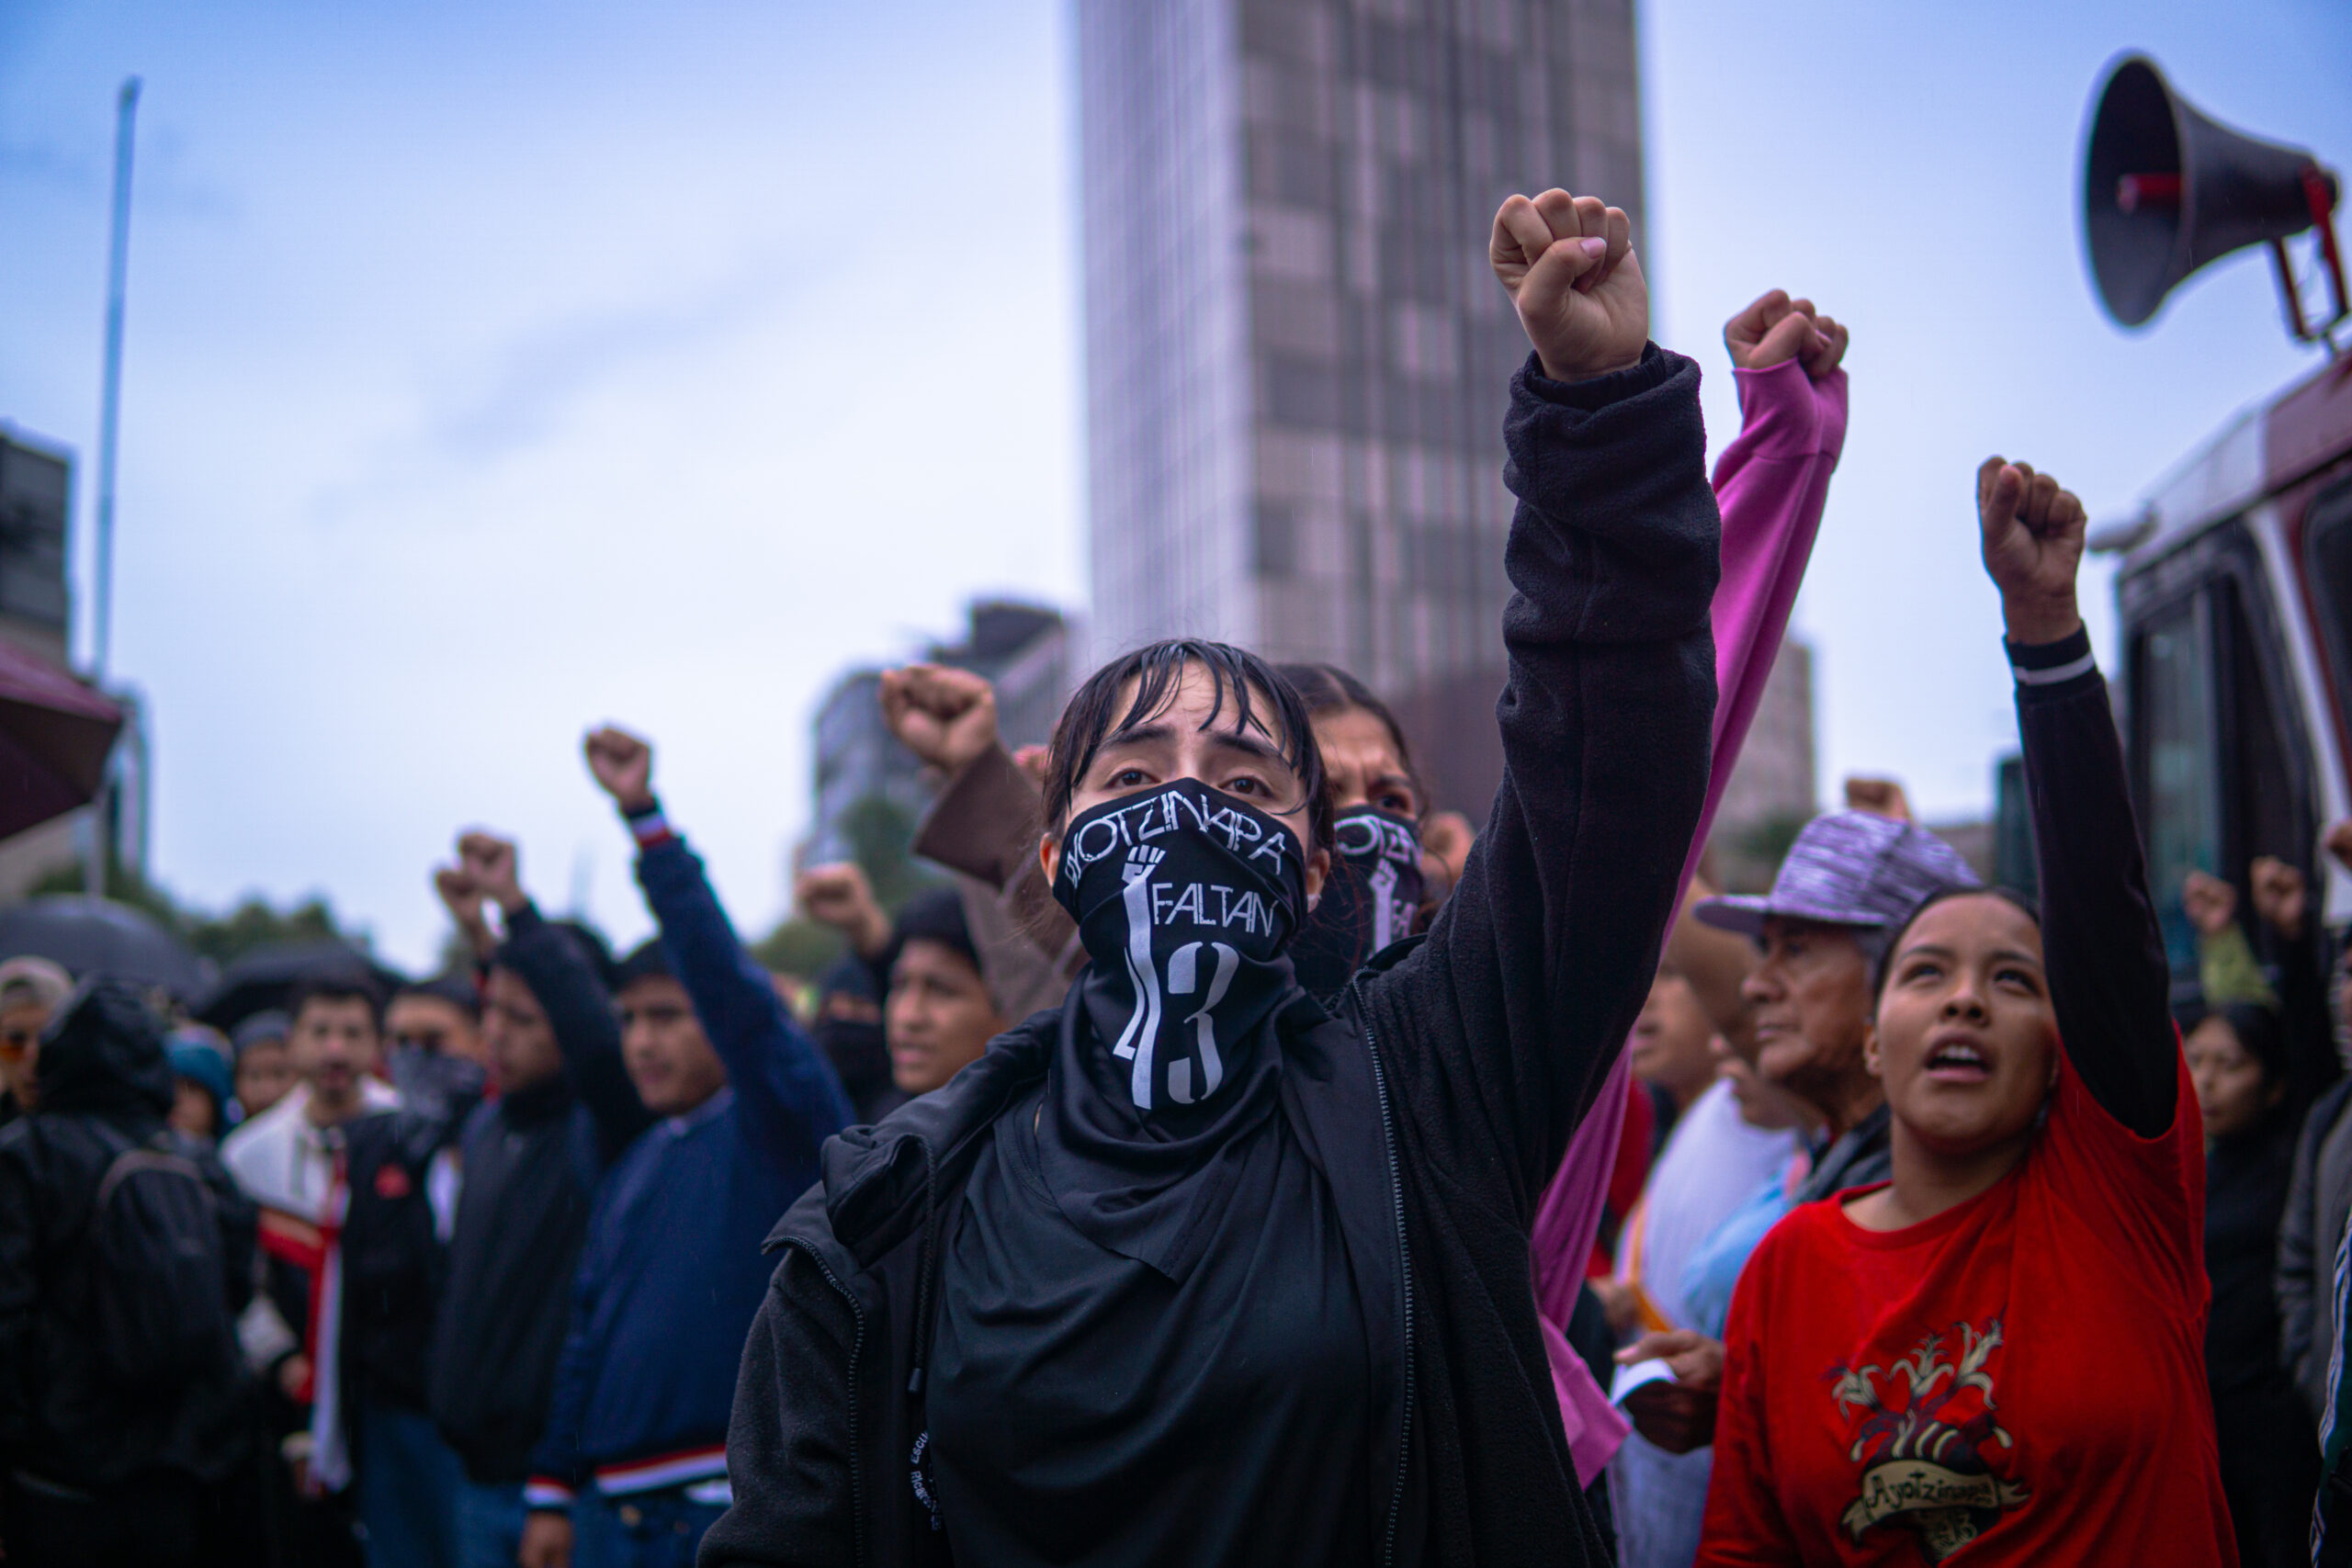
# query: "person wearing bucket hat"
1848,880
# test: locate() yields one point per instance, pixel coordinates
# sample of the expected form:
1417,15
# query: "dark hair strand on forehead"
1093,715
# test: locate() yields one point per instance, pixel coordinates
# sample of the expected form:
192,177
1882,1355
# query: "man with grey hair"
1849,881
31,990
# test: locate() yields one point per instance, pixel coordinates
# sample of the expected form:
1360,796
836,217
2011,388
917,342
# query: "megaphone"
2166,190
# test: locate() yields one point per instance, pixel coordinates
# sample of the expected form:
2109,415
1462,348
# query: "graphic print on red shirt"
2019,1379
1924,1428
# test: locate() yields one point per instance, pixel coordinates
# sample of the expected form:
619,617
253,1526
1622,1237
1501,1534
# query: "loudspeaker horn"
2166,189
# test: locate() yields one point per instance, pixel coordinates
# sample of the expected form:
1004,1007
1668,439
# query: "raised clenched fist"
1569,265
1774,329
623,767
840,896
463,898
2278,893
2033,546
2210,903
495,867
944,716
1879,797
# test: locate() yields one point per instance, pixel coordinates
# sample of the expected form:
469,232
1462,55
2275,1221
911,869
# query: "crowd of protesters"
1237,1158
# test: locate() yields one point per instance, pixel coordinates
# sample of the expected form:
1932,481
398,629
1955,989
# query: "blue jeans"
642,1530
489,1525
407,1485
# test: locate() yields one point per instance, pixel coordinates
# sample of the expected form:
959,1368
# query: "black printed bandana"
1185,900
1371,899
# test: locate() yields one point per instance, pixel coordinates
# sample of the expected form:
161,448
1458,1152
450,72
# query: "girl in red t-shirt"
1997,1357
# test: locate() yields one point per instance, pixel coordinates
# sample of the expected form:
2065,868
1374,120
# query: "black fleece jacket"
532,1160
1438,1097
105,1087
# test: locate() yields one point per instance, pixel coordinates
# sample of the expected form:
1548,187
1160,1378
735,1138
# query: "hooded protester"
2009,1367
31,990
125,1256
533,1159
848,1025
1196,1269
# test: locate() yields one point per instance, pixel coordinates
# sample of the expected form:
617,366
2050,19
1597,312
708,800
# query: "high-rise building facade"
867,783
1298,358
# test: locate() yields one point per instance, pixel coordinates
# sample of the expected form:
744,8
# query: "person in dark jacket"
1193,1268
400,1184
98,1473
2241,1065
852,989
532,1159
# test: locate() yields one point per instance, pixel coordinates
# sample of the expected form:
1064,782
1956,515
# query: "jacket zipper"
856,1347
1405,1266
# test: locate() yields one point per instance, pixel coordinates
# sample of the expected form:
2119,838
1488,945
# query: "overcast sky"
498,370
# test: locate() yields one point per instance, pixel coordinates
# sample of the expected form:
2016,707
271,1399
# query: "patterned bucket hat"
1848,868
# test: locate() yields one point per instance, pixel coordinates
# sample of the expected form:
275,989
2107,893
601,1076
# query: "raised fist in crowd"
465,900
2209,902
495,867
944,716
1775,328
622,764
2278,894
1879,797
2033,546
840,896
1569,265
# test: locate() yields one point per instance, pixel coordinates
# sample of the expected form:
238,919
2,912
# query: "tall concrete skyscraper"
1298,358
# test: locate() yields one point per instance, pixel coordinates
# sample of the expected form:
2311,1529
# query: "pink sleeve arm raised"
1770,484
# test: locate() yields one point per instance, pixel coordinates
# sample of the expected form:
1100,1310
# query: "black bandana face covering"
1185,900
1370,901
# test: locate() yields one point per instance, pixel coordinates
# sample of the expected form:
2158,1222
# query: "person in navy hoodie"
633,1468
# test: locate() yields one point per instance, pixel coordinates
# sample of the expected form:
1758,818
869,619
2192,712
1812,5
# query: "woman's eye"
1127,778
1245,784
1402,805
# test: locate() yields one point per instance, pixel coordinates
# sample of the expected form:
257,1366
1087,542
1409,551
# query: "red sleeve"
1745,1526
2144,1199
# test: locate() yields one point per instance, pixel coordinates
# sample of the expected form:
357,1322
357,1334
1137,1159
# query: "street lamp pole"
93,870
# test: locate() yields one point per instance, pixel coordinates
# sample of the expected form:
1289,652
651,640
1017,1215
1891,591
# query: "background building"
1297,359
870,790
36,614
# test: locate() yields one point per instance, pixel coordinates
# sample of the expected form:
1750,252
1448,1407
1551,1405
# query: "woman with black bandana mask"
1386,880
1197,1270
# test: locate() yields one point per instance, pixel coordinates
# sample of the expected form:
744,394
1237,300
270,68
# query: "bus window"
2172,717
2267,812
